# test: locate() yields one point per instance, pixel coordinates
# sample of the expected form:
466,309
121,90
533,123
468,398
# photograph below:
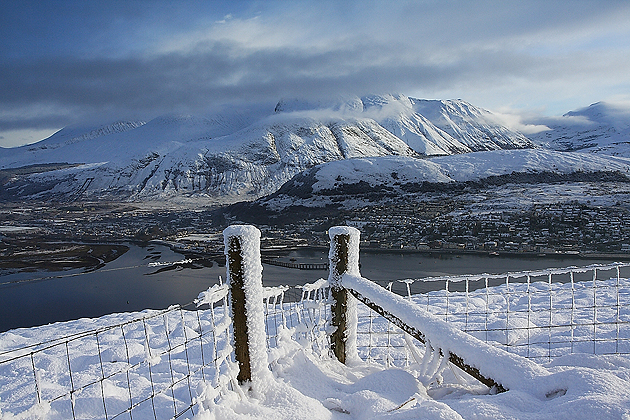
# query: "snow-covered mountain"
75,134
178,156
430,127
599,128
237,155
475,127
398,170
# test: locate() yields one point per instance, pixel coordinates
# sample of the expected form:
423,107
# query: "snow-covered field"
153,361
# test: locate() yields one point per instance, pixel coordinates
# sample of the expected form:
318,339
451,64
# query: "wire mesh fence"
157,364
146,367
303,311
538,314
380,341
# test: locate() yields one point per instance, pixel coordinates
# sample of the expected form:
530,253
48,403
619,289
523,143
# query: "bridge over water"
299,266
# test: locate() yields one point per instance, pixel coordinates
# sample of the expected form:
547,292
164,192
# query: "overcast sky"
68,61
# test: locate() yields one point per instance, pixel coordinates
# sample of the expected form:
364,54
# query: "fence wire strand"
134,369
151,366
540,315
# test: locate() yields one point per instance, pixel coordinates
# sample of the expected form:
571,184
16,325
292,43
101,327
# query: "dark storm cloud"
190,81
78,60
224,73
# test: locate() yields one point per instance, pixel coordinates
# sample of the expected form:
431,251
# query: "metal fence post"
244,272
341,262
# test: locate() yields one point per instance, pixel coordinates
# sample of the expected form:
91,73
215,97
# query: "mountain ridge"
601,128
245,154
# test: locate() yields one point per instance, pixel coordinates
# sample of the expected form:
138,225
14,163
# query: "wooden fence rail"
418,335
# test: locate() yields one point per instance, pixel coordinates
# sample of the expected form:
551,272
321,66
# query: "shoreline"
489,254
43,264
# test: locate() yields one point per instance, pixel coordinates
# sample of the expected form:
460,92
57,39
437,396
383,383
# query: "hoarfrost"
249,238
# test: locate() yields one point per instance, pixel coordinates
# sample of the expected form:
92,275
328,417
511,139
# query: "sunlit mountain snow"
246,154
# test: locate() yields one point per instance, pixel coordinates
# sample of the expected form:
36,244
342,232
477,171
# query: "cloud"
14,138
518,121
225,73
35,116
489,53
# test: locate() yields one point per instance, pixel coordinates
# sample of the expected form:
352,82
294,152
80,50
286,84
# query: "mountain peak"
337,104
602,127
380,101
239,154
604,113
475,127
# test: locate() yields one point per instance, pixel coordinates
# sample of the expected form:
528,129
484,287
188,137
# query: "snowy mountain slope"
74,134
387,176
429,127
381,171
397,115
40,152
461,168
231,156
480,165
598,128
475,127
161,134
257,160
172,156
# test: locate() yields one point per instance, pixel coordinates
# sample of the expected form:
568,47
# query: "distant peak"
79,132
600,112
340,103
386,99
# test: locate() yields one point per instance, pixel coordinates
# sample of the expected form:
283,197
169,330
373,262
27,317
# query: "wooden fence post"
340,262
244,273
237,302
340,296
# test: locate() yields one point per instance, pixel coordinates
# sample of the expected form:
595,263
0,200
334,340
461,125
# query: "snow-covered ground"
179,363
305,382
316,187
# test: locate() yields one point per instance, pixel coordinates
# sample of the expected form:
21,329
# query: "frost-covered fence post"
343,258
244,273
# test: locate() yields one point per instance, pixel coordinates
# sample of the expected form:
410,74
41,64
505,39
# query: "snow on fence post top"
343,259
338,250
244,276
